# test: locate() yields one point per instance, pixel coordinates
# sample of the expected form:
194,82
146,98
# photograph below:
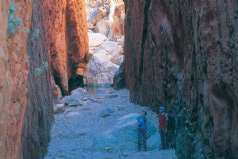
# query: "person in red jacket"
163,117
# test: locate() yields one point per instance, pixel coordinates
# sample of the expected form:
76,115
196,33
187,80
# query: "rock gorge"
183,55
39,49
180,54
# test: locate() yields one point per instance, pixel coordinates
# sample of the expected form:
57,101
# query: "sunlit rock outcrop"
183,55
66,25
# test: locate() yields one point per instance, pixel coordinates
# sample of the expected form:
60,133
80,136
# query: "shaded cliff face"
67,39
38,117
183,55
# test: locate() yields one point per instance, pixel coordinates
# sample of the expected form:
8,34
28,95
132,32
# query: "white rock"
100,70
95,16
96,39
72,114
103,26
117,59
111,47
59,108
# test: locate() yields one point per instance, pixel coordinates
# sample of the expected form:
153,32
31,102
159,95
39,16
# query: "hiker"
163,117
142,130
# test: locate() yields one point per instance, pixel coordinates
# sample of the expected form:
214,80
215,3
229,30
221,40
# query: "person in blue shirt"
142,130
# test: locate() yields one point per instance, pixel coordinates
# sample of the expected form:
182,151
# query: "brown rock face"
5,76
18,25
38,117
26,112
117,24
67,38
183,55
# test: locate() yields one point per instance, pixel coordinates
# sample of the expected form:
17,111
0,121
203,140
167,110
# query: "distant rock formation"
184,55
106,39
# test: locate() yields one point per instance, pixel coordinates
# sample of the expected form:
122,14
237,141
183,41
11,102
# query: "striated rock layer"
67,36
183,55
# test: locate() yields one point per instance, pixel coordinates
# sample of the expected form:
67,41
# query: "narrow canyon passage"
101,124
182,55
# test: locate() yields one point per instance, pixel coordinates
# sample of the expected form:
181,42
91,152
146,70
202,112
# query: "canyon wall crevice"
190,65
66,25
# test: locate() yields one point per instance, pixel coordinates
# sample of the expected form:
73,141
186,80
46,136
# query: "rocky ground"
101,125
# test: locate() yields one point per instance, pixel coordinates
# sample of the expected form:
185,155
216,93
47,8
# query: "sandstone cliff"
19,21
67,36
26,70
5,76
38,116
183,55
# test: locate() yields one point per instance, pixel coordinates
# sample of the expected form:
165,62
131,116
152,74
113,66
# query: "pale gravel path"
72,137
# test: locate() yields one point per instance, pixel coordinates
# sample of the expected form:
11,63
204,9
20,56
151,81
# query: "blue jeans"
163,138
141,133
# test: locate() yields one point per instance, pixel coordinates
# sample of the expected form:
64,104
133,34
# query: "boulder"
96,39
100,70
120,107
95,16
103,26
117,22
90,26
119,80
76,97
59,108
105,113
123,135
111,48
117,59
72,114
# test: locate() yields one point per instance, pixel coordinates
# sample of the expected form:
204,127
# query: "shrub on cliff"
12,21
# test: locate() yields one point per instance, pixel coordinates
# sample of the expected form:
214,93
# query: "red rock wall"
66,25
18,64
117,25
184,55
26,112
5,75
38,117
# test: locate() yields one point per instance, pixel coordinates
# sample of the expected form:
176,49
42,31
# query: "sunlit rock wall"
19,21
67,36
184,55
26,71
